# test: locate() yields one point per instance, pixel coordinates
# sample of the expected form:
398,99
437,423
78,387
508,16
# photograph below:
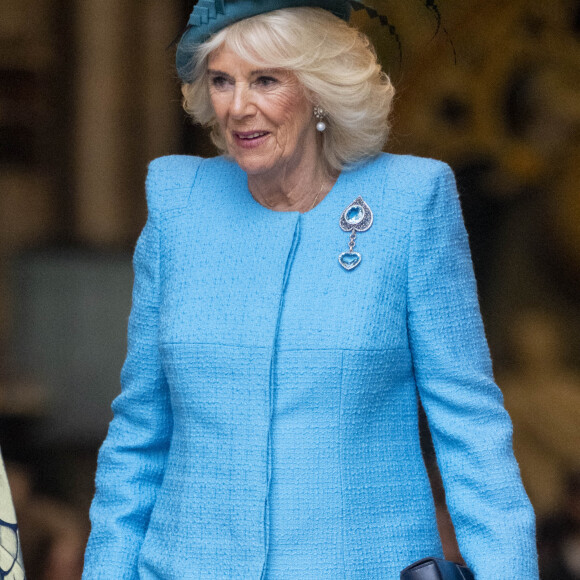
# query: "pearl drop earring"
319,114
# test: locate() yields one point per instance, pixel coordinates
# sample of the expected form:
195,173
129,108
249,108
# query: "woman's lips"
250,139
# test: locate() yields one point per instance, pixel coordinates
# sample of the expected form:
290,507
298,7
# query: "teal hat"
210,16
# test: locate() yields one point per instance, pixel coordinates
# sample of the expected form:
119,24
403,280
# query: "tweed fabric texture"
267,423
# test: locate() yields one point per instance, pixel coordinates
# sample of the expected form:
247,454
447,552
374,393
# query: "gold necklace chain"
317,196
266,204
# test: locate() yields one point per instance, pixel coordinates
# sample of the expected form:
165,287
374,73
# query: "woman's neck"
292,190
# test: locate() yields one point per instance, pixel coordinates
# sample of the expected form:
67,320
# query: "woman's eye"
218,81
265,81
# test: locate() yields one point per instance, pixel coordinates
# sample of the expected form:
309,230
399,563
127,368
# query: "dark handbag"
436,569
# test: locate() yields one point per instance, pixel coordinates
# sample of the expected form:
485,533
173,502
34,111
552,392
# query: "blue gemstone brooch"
357,217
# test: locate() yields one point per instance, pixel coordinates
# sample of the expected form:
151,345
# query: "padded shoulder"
170,181
411,182
415,171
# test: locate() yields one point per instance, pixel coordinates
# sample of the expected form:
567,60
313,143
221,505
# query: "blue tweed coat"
267,424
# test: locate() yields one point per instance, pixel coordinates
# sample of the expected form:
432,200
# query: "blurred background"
88,96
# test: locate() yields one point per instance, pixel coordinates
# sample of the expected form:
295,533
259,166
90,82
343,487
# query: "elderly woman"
293,298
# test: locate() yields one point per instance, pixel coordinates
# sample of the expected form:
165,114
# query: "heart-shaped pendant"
357,217
349,260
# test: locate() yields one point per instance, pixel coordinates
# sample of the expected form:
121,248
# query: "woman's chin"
253,164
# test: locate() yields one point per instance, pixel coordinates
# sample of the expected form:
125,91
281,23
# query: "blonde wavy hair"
334,62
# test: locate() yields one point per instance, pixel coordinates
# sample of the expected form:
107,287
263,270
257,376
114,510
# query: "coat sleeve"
471,430
132,459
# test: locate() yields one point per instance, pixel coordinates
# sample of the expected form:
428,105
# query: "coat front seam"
271,373
342,525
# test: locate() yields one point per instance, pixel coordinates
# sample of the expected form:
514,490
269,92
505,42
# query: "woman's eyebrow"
260,71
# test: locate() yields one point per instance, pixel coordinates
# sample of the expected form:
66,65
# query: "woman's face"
264,115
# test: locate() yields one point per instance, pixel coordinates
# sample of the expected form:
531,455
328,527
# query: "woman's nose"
241,104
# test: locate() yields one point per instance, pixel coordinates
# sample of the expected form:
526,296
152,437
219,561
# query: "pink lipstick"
250,139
